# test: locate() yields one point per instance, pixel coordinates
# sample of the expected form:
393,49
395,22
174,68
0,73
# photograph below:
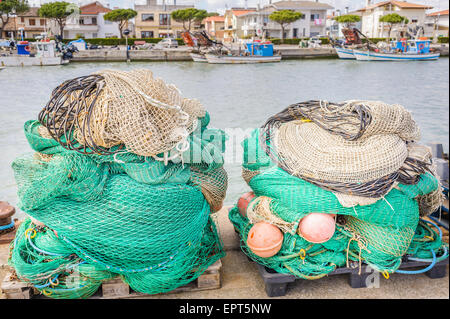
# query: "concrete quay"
182,53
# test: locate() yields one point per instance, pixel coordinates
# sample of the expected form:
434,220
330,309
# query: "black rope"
61,115
360,119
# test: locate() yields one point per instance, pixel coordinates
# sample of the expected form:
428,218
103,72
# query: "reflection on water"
240,96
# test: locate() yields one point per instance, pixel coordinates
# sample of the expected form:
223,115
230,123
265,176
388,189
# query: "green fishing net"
379,234
116,215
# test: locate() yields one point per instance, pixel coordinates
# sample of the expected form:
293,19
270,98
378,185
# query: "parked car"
168,43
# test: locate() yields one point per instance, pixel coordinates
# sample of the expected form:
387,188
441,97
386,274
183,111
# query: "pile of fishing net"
123,180
358,162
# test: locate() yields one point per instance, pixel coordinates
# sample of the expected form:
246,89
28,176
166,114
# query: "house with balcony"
154,20
30,23
371,13
90,23
334,29
234,23
215,26
313,22
436,24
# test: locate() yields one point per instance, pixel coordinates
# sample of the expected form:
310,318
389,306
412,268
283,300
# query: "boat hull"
30,61
345,53
198,57
215,59
364,55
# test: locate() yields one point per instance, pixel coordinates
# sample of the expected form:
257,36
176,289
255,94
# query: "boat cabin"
40,48
420,46
260,48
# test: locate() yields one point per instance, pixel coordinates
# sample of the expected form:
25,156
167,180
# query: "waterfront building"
334,29
30,22
436,24
215,26
234,23
371,13
89,23
154,20
313,22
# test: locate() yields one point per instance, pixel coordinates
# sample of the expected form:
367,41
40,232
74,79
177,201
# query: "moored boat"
402,50
366,55
225,59
255,52
345,53
196,57
40,53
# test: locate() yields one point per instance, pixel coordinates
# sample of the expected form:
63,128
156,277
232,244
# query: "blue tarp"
79,41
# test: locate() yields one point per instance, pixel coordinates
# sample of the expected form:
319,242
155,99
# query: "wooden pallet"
276,284
115,288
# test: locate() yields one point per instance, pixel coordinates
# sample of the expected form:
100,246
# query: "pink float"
265,239
317,228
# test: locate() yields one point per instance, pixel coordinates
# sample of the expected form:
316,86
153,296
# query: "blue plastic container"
22,48
260,49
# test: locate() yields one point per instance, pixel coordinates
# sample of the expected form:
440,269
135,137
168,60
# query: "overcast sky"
219,5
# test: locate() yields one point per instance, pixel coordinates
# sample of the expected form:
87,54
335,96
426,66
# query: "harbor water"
240,96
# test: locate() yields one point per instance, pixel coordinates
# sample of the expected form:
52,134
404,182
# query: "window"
32,22
94,20
315,16
81,21
164,19
22,19
414,20
295,33
42,21
146,34
147,17
94,35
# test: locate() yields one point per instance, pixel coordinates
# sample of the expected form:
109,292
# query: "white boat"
345,53
198,57
225,59
366,55
45,55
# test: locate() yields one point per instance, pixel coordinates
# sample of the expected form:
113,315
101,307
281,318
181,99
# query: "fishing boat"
402,50
38,53
197,57
255,52
345,53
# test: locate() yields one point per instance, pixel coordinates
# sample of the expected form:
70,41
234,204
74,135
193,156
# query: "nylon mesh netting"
98,215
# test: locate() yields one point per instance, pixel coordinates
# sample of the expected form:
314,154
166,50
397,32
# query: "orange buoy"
264,239
317,228
244,201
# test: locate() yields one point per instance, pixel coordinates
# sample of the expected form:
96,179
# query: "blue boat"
402,50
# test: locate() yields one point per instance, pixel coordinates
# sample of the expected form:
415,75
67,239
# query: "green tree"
283,18
392,19
11,7
189,15
121,16
348,19
58,12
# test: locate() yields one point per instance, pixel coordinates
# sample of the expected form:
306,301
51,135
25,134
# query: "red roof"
93,8
241,12
215,18
401,4
441,13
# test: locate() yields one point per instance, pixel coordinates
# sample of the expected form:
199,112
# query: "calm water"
240,96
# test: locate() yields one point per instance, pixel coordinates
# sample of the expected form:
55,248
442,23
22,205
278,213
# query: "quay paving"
241,279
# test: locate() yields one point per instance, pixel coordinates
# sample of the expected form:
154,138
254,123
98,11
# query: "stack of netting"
123,180
357,161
